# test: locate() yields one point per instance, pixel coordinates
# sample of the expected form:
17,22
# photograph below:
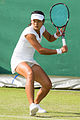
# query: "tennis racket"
59,16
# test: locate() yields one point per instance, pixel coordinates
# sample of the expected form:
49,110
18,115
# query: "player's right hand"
64,49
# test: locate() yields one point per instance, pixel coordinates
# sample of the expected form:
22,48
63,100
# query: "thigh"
23,69
40,76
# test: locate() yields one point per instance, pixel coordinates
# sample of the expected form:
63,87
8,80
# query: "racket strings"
59,15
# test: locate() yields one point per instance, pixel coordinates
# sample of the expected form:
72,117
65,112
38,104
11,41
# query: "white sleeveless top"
24,51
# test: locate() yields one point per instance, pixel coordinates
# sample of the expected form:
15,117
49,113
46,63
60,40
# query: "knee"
28,74
29,78
49,85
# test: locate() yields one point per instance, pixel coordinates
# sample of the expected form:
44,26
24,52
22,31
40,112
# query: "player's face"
37,24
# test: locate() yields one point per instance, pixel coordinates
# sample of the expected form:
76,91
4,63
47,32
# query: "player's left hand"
60,32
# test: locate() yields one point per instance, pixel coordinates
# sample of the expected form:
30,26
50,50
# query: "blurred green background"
15,16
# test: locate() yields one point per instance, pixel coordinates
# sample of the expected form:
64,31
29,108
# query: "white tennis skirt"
17,60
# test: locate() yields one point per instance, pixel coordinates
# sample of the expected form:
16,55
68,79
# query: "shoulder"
29,30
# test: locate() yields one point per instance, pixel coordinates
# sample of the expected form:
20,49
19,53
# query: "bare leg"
35,73
31,74
41,77
25,70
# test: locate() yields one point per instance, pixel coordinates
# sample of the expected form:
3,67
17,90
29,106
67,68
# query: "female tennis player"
23,63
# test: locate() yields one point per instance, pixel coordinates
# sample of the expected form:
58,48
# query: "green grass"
61,105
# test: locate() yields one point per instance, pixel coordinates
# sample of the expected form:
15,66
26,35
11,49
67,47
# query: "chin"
36,28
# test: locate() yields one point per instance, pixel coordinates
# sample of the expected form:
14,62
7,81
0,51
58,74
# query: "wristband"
59,51
55,36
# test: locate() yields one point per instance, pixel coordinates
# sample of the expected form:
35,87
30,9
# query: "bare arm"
44,51
50,37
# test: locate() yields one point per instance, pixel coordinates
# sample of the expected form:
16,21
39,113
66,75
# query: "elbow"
41,51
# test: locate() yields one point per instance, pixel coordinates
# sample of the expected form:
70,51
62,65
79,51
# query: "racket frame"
63,36
67,18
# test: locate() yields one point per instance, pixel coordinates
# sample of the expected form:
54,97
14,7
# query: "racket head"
59,15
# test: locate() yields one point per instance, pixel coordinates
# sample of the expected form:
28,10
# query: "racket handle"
63,41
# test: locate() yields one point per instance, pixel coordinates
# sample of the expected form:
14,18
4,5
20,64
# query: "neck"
38,31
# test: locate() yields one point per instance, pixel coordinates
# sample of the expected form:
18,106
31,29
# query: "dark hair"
38,12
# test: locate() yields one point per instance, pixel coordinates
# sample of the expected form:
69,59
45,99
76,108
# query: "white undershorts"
15,63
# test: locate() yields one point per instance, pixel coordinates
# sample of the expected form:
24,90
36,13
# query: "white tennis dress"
24,51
